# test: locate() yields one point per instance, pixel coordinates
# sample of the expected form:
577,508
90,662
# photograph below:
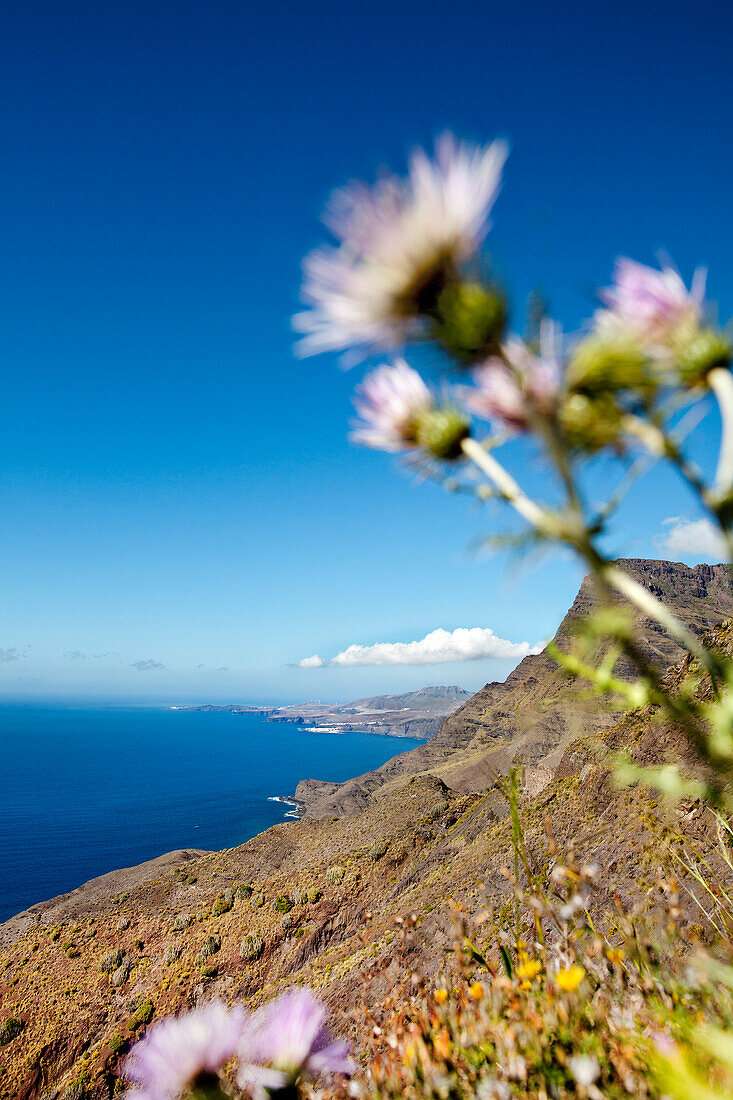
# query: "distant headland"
411,714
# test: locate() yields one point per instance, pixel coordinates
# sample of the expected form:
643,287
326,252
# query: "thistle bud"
470,319
607,364
591,423
440,432
706,350
206,1087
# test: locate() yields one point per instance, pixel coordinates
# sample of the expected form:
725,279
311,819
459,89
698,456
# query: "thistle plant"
271,1052
410,267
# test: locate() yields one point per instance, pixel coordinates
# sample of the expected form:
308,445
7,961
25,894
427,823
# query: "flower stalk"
720,380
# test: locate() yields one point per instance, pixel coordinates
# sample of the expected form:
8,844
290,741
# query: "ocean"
88,790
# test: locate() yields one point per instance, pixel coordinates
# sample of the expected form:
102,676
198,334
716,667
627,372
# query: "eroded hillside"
536,711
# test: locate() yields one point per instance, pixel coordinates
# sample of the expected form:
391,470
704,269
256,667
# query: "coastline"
298,806
248,786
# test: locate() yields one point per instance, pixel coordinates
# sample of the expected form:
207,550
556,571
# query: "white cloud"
311,662
687,538
462,644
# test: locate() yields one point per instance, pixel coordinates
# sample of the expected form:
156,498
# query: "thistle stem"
507,486
652,607
721,383
544,522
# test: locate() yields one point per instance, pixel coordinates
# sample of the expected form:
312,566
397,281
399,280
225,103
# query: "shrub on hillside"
251,946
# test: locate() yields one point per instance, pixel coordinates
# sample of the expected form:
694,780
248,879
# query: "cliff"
536,711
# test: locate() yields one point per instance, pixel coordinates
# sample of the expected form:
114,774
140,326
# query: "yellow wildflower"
441,996
476,990
529,969
525,985
614,955
569,978
442,1044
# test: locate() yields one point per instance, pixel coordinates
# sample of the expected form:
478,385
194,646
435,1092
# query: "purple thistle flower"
390,402
286,1040
395,239
178,1050
506,389
652,304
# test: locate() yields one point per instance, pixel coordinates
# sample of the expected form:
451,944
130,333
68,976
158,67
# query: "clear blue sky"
176,488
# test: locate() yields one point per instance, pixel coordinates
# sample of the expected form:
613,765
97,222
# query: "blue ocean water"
85,791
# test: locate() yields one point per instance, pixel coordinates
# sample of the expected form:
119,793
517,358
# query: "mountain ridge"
536,712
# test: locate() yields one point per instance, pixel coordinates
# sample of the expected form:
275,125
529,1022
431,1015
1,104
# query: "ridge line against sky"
180,501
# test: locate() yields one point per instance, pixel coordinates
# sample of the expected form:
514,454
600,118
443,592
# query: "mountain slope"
536,711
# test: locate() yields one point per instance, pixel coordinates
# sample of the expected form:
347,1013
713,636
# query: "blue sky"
177,489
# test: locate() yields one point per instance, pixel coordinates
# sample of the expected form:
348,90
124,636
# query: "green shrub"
70,949
142,1015
377,850
283,904
10,1030
75,1091
437,811
251,946
209,972
314,895
209,947
243,892
111,961
223,904
121,974
117,1042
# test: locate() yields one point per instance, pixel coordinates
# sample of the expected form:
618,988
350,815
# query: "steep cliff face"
536,711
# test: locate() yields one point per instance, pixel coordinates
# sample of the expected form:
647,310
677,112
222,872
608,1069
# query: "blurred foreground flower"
655,309
509,388
287,1040
401,244
185,1052
569,978
652,304
398,412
